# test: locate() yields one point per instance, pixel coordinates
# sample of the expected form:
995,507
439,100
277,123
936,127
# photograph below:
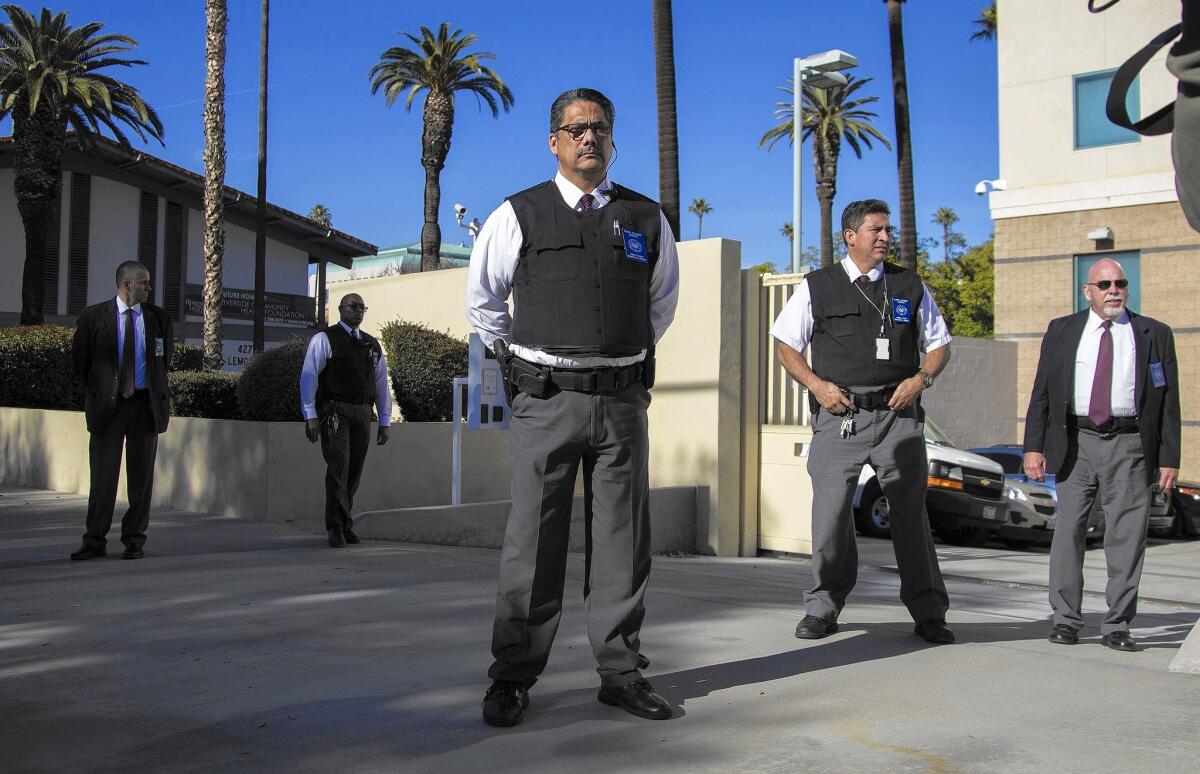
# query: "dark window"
148,232
173,260
1092,127
77,246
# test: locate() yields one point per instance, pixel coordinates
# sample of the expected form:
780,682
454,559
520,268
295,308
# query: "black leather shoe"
348,533
1119,641
813,627
504,704
934,630
88,552
636,698
133,552
336,538
1062,634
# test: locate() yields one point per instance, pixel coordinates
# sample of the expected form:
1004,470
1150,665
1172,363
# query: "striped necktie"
585,203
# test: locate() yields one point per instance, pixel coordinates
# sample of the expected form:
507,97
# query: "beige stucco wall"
696,415
264,471
1035,283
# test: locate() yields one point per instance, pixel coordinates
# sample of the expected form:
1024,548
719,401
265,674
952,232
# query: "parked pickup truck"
965,500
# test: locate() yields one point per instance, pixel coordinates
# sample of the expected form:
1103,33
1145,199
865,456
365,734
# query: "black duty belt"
872,401
352,400
141,394
1114,426
595,380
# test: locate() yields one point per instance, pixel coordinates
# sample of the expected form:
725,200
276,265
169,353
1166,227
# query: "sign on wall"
238,304
235,352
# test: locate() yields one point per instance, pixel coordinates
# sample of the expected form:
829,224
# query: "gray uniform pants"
894,445
548,438
345,451
1114,470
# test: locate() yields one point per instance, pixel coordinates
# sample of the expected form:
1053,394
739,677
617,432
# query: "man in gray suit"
1103,417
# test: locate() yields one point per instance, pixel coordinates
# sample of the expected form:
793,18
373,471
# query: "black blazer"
94,353
1054,391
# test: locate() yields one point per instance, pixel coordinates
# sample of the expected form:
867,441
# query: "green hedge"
208,394
36,369
423,364
269,390
186,357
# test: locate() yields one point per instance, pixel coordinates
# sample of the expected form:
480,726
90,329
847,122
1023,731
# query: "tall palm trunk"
908,207
435,144
214,177
699,226
668,136
37,165
260,214
825,160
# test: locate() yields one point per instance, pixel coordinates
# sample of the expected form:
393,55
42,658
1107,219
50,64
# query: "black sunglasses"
1106,284
354,307
577,131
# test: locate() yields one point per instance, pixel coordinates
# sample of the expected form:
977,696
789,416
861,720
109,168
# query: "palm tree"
829,116
699,208
908,206
50,81
260,210
440,68
945,217
986,23
668,137
788,233
321,214
217,22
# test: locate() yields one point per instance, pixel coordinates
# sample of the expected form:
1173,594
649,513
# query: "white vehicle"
966,497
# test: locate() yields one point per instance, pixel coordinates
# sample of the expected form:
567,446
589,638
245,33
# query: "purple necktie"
127,362
1100,407
585,203
863,280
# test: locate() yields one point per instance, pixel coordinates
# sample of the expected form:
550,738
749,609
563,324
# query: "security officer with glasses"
344,374
594,275
1104,418
866,322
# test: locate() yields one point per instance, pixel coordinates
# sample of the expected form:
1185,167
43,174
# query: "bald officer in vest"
344,373
594,275
867,322
1104,417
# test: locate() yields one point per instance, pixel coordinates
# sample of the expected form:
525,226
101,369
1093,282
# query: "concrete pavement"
255,647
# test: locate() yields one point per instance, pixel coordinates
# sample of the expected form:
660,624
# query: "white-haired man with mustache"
1104,418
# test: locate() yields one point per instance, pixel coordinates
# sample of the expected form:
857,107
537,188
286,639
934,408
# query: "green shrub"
186,357
269,390
208,394
36,369
423,364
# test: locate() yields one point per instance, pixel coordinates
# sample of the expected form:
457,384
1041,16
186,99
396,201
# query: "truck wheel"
872,516
963,536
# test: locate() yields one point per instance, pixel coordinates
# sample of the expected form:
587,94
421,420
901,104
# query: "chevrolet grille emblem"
985,482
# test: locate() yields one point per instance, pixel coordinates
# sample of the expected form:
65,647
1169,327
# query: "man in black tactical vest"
345,372
867,322
594,275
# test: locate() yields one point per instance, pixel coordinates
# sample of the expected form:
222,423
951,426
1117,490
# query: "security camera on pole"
473,227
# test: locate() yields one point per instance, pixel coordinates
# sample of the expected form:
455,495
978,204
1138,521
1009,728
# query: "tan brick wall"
1031,293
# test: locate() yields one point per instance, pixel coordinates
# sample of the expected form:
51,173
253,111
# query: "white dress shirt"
139,341
314,363
1124,357
494,262
794,326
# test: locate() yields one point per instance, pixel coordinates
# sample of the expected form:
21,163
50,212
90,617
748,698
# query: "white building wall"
113,235
1038,159
287,267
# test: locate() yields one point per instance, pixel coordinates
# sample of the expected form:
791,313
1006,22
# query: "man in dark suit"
121,350
1104,417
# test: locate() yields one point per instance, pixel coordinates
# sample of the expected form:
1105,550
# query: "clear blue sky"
330,141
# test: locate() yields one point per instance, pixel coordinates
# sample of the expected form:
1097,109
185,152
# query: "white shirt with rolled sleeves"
794,325
494,262
1124,357
314,363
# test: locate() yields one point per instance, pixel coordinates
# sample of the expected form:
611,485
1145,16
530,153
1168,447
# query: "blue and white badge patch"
635,246
901,310
1157,375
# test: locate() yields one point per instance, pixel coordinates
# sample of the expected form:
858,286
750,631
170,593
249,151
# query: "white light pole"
820,70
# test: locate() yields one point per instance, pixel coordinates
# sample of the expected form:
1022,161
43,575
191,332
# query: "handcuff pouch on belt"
520,375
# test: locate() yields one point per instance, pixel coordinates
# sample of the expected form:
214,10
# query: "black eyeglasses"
355,307
577,131
1106,284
